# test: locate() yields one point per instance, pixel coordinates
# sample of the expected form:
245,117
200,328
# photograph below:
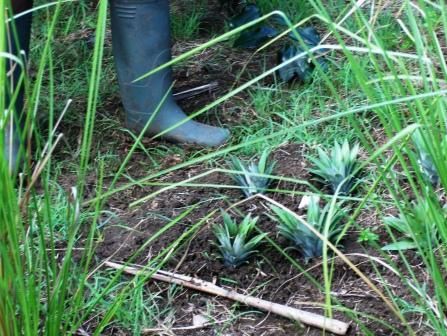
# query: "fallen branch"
312,319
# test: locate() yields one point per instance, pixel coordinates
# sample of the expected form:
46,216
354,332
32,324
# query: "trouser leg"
18,37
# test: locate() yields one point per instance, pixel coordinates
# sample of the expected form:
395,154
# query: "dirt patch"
269,275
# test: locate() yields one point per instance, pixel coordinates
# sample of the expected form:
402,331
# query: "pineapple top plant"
253,184
301,237
418,225
236,241
425,159
337,167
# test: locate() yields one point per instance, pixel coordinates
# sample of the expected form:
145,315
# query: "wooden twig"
328,324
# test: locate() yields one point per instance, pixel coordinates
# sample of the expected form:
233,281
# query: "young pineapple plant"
425,159
236,241
338,167
301,237
249,181
418,226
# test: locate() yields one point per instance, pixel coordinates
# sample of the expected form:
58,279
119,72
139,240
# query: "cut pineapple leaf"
248,14
337,167
301,236
300,68
256,37
309,35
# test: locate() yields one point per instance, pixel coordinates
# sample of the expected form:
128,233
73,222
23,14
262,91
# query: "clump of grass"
337,167
248,178
425,159
236,241
185,22
301,237
418,225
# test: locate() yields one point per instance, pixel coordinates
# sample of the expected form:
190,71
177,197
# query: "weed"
141,308
185,23
368,236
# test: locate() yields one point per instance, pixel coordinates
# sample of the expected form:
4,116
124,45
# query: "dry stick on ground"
312,319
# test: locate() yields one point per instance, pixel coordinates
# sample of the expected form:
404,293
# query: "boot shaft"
141,37
141,41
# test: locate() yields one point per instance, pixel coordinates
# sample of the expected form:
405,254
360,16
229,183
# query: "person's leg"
18,45
141,42
19,6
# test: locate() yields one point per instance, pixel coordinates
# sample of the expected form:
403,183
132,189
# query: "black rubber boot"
141,42
13,149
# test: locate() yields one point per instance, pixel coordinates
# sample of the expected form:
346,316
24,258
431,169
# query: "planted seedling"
338,168
418,225
425,159
248,179
301,68
254,37
301,237
236,241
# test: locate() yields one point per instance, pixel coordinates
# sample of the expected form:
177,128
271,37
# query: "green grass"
186,19
368,97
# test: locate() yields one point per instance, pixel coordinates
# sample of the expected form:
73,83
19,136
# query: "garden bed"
268,275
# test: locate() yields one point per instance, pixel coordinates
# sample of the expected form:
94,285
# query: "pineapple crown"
248,178
337,167
236,241
299,234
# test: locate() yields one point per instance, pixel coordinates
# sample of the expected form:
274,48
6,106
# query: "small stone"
199,320
304,203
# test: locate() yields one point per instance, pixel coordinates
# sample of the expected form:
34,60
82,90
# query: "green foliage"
236,241
302,238
36,282
140,308
338,168
60,215
186,19
418,225
247,179
368,236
